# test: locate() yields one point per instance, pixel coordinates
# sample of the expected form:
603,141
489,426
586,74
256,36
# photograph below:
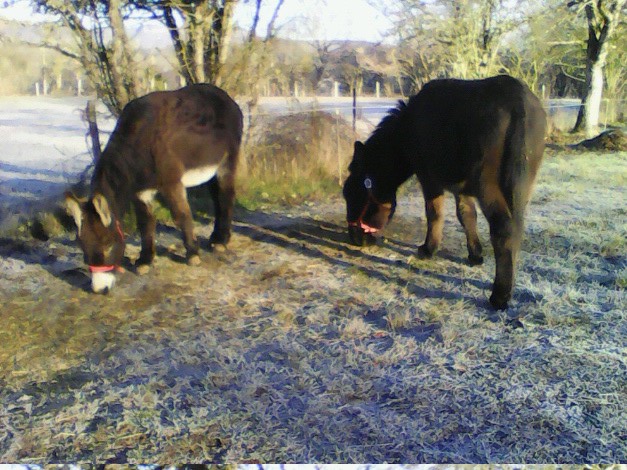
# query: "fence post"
337,144
93,130
354,105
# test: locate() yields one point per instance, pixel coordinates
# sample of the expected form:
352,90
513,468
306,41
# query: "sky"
324,19
299,19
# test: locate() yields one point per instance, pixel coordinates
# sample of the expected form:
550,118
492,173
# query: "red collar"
111,267
371,200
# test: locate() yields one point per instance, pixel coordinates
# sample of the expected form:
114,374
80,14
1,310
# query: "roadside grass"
293,346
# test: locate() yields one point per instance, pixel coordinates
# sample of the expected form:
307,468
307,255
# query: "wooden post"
337,146
354,105
93,130
378,89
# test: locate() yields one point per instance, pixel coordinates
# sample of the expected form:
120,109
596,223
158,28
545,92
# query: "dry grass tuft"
299,145
294,158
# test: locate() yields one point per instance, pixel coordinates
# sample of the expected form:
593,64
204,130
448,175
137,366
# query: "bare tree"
615,76
602,18
256,60
201,33
101,46
321,60
460,38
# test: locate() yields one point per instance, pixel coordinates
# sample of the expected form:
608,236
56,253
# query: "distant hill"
147,35
315,65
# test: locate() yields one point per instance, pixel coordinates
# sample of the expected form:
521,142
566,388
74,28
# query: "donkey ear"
358,149
358,153
102,208
73,208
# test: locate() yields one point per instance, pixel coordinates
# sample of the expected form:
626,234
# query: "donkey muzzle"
360,237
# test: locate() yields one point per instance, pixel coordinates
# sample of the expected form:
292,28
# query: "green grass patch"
255,194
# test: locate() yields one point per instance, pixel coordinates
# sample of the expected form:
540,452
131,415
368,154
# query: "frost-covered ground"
43,149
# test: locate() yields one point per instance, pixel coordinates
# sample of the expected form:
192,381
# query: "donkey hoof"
193,260
475,260
424,252
499,302
142,269
357,236
218,247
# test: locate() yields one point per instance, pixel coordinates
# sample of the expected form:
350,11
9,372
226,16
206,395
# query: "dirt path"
293,346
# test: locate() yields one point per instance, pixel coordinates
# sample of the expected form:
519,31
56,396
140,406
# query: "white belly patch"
198,175
147,196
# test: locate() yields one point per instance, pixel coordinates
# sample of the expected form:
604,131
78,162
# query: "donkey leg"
434,208
501,234
222,190
146,223
467,216
176,198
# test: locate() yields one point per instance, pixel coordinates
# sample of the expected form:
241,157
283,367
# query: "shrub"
294,157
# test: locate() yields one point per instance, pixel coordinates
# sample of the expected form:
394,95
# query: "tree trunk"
178,43
122,65
594,99
197,45
226,32
602,21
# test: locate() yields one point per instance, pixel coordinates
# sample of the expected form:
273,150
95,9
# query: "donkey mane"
113,175
116,171
391,117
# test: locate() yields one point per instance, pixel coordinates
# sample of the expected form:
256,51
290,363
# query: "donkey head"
368,208
100,237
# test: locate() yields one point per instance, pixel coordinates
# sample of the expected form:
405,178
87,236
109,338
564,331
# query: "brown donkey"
479,139
163,142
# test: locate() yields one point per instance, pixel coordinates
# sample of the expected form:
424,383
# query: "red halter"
111,267
371,200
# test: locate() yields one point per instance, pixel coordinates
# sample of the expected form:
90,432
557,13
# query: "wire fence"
366,112
562,112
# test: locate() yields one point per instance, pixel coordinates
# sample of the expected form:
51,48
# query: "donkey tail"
523,153
515,174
